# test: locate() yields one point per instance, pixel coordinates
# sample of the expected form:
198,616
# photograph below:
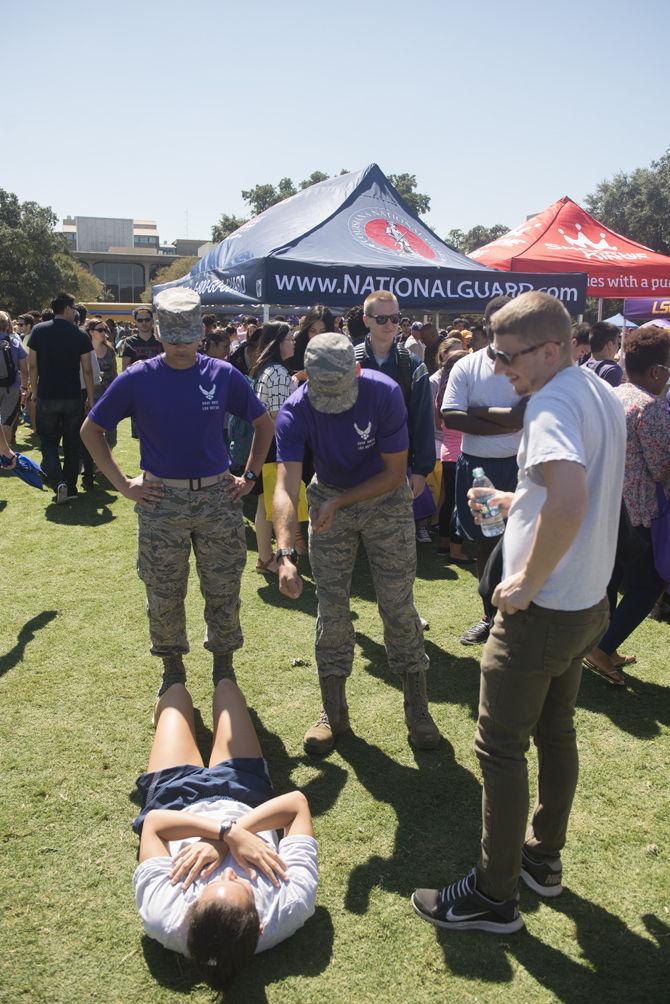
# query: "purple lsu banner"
646,308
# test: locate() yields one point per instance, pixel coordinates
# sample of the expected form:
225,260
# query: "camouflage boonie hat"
330,362
179,317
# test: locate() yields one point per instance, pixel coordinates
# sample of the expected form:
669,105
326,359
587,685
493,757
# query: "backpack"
7,364
240,435
403,376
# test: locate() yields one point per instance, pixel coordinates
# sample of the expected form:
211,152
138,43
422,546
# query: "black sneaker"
477,634
462,907
542,876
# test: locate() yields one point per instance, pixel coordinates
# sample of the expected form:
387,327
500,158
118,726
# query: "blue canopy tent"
337,241
618,320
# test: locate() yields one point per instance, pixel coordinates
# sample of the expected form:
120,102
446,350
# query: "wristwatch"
225,829
287,552
250,476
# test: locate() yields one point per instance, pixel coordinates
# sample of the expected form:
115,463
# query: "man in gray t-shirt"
559,551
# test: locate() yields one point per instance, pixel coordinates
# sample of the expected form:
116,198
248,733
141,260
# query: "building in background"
125,254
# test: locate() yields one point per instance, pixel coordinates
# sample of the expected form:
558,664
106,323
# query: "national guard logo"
391,233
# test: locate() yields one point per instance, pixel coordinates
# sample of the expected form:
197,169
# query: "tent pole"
580,318
266,313
600,308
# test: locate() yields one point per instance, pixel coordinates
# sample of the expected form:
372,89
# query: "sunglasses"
508,358
104,330
385,318
144,320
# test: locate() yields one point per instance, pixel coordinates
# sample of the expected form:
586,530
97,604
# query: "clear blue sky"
161,110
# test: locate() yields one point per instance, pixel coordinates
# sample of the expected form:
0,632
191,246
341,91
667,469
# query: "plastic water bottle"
492,523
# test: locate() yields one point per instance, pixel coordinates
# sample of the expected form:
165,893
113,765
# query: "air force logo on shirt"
365,436
209,403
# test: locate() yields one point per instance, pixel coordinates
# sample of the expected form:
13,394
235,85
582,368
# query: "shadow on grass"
626,965
307,953
3,504
437,805
640,709
25,635
450,679
88,509
322,791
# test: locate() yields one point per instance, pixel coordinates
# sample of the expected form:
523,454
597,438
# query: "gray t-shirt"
575,417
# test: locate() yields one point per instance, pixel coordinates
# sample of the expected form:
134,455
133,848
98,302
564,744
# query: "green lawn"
77,685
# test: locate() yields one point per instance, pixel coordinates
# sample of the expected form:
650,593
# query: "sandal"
267,567
612,676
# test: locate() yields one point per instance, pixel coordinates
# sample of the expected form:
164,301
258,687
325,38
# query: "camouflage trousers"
209,522
385,527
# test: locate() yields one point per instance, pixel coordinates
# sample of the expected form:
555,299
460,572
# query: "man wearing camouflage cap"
356,426
185,495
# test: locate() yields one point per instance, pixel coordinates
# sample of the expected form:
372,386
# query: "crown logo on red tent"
582,242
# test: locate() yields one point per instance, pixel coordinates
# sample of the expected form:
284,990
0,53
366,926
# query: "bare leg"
234,733
263,533
174,742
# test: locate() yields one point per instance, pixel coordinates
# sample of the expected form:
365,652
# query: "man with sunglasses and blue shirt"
481,403
558,555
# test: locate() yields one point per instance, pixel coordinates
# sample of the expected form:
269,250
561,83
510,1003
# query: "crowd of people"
369,427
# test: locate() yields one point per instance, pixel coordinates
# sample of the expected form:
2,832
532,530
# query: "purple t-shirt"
347,447
607,370
179,413
18,353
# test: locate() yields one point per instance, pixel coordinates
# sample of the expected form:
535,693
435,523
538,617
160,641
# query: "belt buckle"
194,484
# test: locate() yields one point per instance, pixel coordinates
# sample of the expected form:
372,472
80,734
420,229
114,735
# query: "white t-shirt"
163,907
416,347
473,384
577,417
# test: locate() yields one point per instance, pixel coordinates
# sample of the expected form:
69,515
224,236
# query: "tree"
175,270
405,186
32,256
475,238
314,179
226,226
637,205
83,285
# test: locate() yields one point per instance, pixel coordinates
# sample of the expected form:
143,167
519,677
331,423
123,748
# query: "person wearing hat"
355,423
185,495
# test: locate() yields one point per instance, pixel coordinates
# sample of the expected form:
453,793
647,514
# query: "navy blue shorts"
246,779
503,472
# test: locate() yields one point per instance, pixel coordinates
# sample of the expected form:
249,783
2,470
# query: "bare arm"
486,421
32,370
558,524
87,370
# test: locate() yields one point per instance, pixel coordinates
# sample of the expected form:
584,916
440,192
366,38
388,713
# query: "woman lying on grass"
212,882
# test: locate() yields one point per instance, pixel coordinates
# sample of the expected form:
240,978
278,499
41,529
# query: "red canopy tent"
564,238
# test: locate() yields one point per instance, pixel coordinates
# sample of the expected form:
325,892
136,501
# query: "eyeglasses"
508,358
385,318
144,320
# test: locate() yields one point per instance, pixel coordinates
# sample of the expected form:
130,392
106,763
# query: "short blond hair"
379,296
5,322
534,317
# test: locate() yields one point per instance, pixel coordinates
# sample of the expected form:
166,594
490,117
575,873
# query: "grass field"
77,685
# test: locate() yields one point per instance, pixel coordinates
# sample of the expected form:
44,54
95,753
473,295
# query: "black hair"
314,314
601,334
582,333
47,315
209,320
272,335
27,319
648,346
356,326
82,310
61,301
216,337
231,330
250,319
222,939
405,320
